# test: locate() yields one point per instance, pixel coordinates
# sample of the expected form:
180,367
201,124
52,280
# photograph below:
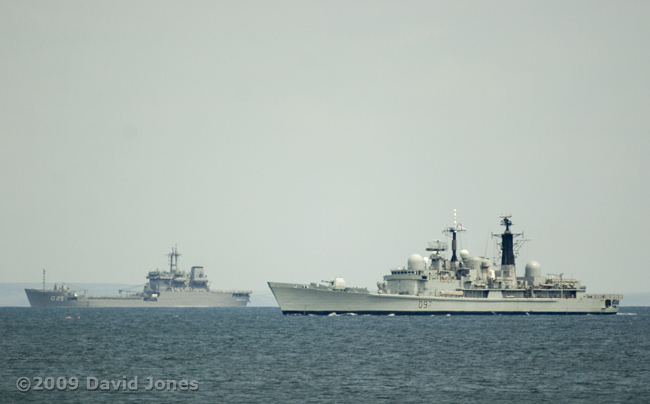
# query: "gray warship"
433,285
173,288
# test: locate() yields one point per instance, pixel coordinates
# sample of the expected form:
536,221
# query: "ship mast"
507,250
173,260
452,231
43,279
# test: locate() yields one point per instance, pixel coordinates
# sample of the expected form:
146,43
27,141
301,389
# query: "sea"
258,355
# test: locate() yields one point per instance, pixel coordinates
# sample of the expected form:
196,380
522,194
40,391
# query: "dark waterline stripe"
437,313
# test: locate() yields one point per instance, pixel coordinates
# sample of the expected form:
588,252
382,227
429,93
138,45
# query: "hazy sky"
298,141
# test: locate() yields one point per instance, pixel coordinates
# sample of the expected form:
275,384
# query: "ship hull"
40,298
305,299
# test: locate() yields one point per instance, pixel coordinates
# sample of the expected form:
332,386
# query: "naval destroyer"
173,288
463,284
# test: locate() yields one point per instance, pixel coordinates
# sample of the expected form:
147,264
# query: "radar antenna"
437,246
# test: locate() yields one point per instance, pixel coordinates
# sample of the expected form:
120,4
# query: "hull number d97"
424,304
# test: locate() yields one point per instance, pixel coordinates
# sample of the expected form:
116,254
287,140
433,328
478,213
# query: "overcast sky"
298,141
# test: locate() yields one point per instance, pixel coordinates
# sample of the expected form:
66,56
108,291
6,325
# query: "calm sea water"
257,355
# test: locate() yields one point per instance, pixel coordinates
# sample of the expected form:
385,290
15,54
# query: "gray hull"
310,299
50,298
463,284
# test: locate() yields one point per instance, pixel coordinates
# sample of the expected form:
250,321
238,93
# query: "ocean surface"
257,355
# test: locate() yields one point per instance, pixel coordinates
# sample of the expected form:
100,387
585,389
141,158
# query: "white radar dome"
416,263
464,254
533,268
